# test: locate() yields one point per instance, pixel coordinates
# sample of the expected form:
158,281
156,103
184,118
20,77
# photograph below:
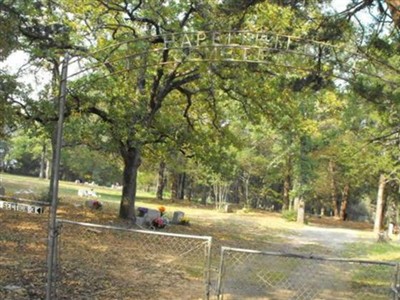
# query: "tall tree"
132,103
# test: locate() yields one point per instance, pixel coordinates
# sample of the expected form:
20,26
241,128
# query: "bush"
43,196
290,215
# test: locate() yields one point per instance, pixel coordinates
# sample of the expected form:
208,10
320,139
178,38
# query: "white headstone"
91,193
82,193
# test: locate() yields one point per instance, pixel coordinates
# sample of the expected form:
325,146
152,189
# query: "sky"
29,76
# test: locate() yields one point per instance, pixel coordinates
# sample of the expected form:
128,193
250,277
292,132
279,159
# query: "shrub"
290,215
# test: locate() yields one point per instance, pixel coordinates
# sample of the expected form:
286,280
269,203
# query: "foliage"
91,166
159,222
289,215
184,221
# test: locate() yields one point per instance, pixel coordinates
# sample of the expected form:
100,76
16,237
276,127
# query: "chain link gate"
139,264
249,274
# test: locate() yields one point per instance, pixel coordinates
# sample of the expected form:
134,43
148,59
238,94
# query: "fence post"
220,274
396,283
52,236
208,267
56,258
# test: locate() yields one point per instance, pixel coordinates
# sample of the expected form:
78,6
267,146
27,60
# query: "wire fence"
249,274
106,262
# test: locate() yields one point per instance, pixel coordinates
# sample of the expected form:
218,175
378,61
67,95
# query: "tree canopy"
146,88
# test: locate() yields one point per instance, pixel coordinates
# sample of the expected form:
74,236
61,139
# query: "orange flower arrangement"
162,210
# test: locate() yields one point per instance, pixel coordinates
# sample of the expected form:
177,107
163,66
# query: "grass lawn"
14,185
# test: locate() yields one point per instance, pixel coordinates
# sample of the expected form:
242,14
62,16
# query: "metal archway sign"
208,46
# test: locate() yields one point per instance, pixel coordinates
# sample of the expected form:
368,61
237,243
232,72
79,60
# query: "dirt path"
333,238
325,234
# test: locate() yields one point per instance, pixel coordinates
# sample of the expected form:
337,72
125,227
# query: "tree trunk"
301,211
380,202
174,186
236,191
188,188
48,168
161,181
286,192
246,181
220,191
205,190
287,182
217,195
334,198
394,6
396,209
43,161
181,186
131,157
345,200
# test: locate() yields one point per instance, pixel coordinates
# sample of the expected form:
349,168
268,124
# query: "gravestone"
2,191
28,208
177,217
86,193
91,193
228,208
151,215
140,221
93,204
82,192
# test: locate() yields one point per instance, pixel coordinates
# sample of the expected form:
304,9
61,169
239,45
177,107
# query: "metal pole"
396,284
51,246
208,268
220,295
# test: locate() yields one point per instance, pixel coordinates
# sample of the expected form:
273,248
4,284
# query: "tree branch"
188,95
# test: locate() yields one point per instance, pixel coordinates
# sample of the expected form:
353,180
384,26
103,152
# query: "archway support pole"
52,228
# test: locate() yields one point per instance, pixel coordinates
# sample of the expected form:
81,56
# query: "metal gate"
249,274
109,262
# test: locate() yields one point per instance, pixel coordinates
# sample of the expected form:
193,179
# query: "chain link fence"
249,274
106,262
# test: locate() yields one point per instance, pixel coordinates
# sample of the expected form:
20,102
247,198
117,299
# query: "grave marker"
28,208
177,217
151,215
